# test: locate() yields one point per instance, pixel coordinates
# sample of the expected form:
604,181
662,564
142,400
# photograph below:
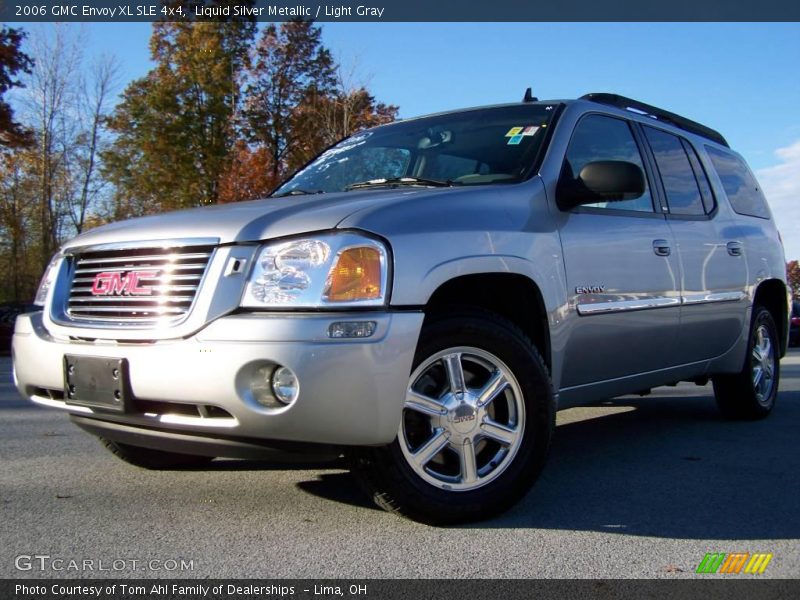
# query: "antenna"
529,97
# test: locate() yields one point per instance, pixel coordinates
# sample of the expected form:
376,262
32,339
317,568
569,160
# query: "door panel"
622,269
631,325
713,268
714,302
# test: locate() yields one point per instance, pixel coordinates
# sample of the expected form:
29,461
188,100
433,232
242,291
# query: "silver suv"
422,297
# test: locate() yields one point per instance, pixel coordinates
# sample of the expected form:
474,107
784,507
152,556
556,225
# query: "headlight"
47,280
329,270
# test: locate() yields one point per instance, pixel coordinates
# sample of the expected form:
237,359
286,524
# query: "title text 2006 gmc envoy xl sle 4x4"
422,297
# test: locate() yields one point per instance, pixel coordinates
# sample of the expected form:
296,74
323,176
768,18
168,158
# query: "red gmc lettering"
114,283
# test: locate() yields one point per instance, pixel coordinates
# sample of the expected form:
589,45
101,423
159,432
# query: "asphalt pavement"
634,487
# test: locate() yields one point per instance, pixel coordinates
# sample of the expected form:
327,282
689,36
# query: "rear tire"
476,426
750,394
156,460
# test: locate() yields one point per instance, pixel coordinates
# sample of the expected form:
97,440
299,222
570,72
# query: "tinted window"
739,184
680,185
605,138
702,178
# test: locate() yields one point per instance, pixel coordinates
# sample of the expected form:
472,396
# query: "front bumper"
351,391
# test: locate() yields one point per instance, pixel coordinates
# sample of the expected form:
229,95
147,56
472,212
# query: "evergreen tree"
12,63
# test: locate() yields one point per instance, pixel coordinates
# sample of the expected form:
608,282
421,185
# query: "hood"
248,221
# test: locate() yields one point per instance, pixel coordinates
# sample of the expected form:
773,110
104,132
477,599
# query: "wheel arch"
773,295
513,296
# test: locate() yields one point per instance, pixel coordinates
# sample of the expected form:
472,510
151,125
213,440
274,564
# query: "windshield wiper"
394,181
297,192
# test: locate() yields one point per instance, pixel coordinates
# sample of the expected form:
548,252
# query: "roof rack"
658,114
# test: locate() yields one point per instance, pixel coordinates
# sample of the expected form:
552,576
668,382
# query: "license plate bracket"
96,382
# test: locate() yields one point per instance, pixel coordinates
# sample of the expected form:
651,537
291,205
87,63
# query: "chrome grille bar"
137,285
155,257
155,288
126,310
160,299
172,267
169,277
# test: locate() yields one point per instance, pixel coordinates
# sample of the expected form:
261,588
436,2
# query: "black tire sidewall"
507,343
763,317
735,393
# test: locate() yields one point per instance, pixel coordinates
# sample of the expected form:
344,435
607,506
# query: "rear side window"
702,178
739,184
677,175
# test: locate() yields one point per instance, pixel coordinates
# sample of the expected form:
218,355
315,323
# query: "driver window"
598,137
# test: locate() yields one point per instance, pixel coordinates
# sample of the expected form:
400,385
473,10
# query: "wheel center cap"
463,418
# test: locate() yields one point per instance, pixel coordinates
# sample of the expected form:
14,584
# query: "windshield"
474,147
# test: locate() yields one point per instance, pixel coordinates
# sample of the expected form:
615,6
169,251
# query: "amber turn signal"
355,276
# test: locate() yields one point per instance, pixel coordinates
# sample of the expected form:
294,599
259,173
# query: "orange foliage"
247,176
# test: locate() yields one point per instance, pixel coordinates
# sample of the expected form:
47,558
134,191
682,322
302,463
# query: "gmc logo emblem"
115,283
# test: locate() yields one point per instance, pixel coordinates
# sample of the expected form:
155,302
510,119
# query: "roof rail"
658,114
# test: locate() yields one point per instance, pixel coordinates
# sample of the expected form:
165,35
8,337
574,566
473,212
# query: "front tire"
750,394
156,460
476,426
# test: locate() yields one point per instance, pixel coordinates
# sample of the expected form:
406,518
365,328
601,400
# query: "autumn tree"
247,176
793,277
351,108
15,183
174,127
290,69
49,188
50,102
94,98
219,119
324,120
19,263
13,62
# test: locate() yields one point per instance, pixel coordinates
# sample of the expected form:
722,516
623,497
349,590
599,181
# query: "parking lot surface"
634,487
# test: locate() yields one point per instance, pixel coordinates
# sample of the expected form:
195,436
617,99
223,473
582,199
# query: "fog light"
351,329
284,385
261,386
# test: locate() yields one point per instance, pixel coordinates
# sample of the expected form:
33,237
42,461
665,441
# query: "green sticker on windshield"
514,131
514,140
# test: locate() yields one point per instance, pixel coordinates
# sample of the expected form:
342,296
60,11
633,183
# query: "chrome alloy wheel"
762,362
463,420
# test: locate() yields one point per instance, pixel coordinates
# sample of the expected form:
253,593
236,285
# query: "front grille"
137,285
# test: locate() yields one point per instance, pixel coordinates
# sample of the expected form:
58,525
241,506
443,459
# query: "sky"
742,79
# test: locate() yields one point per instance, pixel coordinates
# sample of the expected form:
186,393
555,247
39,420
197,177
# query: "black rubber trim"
662,115
193,443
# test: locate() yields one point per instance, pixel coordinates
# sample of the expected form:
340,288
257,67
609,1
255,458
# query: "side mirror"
600,181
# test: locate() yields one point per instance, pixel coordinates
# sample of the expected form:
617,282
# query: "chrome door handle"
661,247
734,248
